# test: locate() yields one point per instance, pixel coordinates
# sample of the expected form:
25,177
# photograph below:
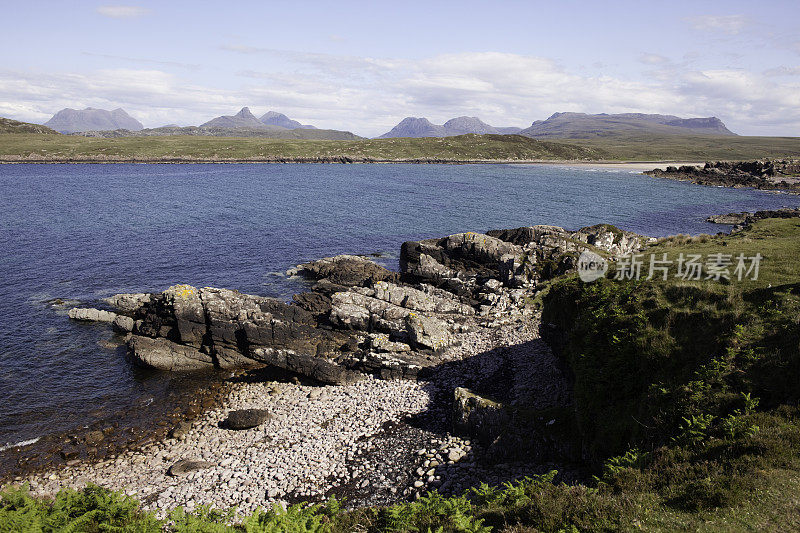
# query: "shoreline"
634,164
374,442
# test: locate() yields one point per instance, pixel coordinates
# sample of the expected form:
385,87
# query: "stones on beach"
184,467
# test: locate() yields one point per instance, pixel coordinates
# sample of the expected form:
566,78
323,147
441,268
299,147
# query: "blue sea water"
84,232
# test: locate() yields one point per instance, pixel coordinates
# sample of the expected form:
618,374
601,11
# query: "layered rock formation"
359,317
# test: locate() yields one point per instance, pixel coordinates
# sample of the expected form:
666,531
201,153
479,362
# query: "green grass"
650,147
465,147
461,148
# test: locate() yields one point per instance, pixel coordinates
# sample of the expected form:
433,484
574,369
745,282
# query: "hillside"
90,119
191,148
585,126
14,126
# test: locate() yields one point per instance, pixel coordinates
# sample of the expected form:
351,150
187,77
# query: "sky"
364,66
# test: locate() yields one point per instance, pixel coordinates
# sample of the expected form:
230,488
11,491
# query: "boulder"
163,354
247,418
91,315
186,466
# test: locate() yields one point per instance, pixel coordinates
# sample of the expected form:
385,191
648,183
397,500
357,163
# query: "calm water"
84,232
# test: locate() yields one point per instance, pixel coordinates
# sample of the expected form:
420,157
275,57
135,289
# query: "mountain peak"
91,119
245,113
273,118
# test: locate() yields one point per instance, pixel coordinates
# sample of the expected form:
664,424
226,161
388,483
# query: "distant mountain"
90,119
273,118
263,131
583,126
415,127
13,126
462,125
422,127
242,119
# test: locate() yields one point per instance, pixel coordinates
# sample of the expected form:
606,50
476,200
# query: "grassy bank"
32,147
650,147
461,148
686,404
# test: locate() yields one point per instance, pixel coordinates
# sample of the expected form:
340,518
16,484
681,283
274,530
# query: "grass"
464,147
461,148
650,147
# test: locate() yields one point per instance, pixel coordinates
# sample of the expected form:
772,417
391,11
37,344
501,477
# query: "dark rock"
182,428
186,466
247,418
346,270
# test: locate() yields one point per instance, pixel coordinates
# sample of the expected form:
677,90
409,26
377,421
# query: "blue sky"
363,66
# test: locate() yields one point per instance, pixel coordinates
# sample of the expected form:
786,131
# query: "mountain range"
117,123
584,126
74,120
422,127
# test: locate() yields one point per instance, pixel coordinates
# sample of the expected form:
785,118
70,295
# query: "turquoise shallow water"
84,232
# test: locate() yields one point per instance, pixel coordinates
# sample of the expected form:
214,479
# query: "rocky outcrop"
344,270
767,174
739,220
359,317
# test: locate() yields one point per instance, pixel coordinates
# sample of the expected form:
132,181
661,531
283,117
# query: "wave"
19,444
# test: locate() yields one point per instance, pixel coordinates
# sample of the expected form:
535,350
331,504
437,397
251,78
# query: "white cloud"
122,12
729,24
370,95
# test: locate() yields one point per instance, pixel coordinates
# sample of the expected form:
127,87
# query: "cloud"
122,12
370,95
729,24
782,71
653,59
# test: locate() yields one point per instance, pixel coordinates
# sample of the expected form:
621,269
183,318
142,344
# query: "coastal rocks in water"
187,466
91,315
247,418
766,174
745,218
360,318
345,270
